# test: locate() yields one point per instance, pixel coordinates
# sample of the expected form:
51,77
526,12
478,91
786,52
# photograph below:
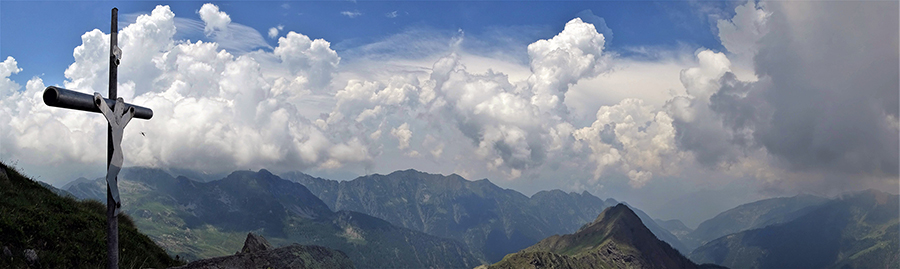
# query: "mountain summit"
616,239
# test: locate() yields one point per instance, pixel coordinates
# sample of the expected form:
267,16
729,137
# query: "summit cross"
117,114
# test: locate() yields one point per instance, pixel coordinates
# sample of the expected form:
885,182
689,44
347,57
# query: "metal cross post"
118,114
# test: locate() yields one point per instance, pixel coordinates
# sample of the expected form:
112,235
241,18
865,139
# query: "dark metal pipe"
112,221
59,97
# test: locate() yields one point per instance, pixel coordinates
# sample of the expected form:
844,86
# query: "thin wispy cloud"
234,37
351,14
391,15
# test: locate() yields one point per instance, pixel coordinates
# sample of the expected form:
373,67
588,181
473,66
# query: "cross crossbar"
63,98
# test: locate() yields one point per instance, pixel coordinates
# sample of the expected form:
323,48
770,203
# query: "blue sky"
44,45
681,108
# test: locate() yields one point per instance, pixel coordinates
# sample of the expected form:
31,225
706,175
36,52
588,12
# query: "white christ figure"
117,119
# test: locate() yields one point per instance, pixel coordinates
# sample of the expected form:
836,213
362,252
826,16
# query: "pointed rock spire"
255,243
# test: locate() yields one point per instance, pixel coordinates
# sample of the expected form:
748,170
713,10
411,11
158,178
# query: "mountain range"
490,220
415,219
748,216
208,219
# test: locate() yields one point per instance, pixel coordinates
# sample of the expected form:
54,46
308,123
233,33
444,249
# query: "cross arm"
59,97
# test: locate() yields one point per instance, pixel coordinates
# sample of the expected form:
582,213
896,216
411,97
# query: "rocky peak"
255,243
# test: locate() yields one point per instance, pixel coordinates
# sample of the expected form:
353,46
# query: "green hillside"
63,232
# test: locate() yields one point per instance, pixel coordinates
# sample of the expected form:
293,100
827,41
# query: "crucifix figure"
117,118
118,114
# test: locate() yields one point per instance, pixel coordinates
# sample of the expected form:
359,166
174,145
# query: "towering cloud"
311,61
559,62
834,104
822,105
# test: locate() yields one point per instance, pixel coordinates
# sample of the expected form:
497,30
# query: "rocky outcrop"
254,243
258,253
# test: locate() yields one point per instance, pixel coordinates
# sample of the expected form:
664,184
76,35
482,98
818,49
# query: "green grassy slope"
64,232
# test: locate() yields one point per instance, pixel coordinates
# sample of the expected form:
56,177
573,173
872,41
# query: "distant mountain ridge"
208,219
676,227
753,215
491,220
617,238
858,230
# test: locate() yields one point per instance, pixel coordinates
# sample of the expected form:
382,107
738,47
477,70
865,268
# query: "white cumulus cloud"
403,135
215,20
273,32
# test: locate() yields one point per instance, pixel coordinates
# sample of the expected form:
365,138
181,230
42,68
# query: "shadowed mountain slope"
753,215
855,231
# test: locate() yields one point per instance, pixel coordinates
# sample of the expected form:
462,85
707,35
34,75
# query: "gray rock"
255,243
31,257
7,252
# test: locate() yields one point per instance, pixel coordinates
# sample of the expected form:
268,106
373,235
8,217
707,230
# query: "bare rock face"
255,243
258,253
